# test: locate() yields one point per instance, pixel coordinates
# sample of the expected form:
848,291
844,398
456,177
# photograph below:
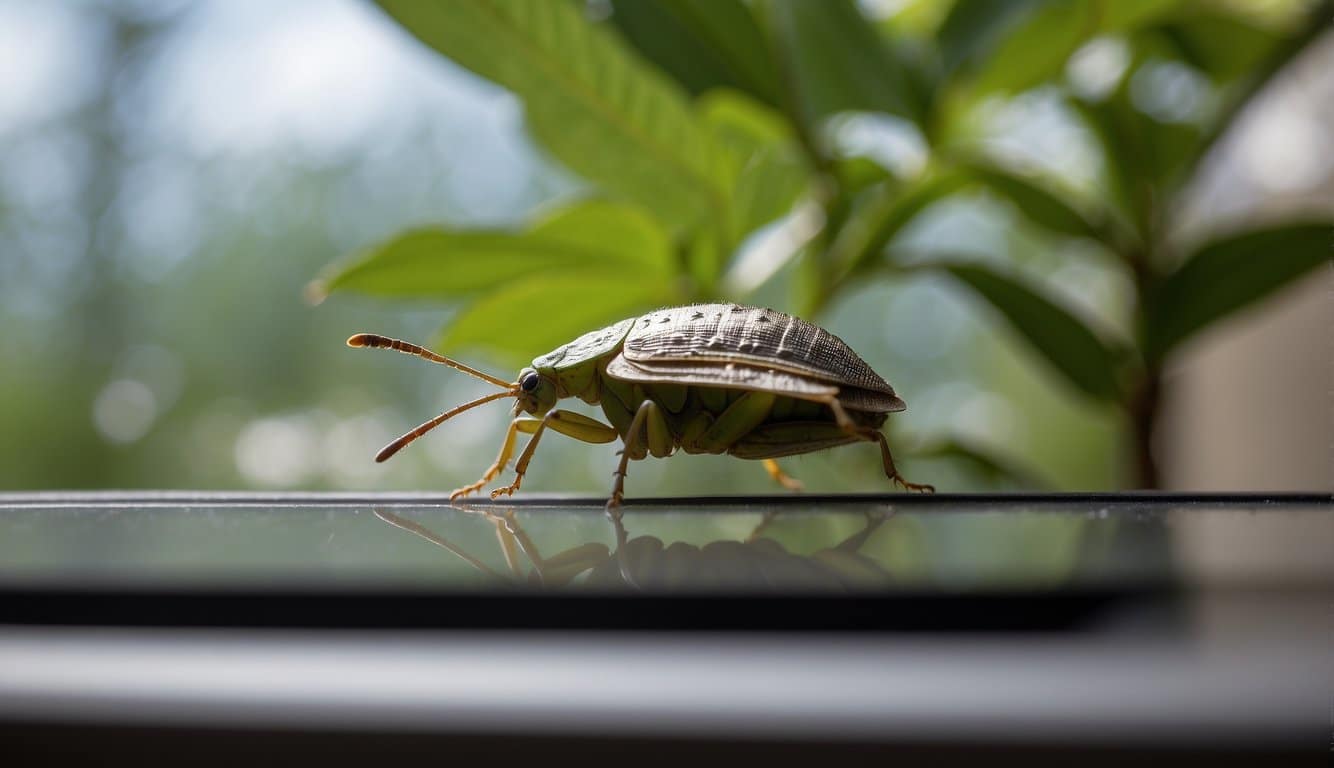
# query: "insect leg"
575,425
634,441
893,473
846,423
506,450
782,478
743,415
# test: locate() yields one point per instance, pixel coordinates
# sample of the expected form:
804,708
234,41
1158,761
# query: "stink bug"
704,378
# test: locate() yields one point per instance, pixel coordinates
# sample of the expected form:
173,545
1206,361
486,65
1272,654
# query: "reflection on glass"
646,562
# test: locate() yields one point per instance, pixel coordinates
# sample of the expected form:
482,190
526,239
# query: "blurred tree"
699,123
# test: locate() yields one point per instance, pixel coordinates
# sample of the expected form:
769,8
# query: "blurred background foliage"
1018,212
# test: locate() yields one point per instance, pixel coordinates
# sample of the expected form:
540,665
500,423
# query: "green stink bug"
704,378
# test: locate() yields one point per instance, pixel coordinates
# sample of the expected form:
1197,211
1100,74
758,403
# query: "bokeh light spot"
124,410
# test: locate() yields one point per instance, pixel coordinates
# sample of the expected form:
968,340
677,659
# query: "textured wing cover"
723,333
591,345
742,376
714,375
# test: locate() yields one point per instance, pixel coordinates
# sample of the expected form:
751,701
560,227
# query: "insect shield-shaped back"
750,348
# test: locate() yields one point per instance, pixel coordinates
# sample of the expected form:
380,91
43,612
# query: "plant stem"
1144,406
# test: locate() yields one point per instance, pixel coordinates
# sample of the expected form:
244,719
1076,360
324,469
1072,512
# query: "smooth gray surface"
1048,690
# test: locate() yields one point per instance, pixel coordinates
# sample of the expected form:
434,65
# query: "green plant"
698,122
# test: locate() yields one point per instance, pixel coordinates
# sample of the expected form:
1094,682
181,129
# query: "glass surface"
782,545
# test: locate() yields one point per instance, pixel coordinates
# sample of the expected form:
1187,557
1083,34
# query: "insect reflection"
647,563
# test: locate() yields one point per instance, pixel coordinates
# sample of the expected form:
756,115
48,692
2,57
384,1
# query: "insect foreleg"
575,425
634,445
506,450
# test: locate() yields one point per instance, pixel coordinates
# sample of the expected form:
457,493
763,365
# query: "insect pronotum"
704,378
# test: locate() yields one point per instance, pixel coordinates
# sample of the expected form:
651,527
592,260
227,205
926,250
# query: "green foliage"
771,173
448,264
587,99
543,313
997,469
881,214
1036,50
833,60
702,44
1041,205
1228,274
702,121
1066,342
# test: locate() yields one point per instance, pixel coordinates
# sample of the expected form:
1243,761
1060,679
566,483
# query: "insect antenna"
376,341
397,445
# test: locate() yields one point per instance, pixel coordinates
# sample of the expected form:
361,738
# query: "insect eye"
529,382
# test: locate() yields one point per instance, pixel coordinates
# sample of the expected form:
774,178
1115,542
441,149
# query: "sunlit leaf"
767,187
1229,274
1063,339
836,61
625,231
771,170
704,44
587,98
446,264
529,317
742,122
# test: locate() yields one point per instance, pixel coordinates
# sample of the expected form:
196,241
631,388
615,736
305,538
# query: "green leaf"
1013,46
742,122
772,172
1145,160
1219,43
994,467
444,264
769,184
1115,126
587,98
704,44
836,61
973,28
1228,274
1041,205
881,215
1065,341
1037,48
529,317
1128,15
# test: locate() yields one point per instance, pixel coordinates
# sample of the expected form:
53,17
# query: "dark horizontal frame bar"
1063,610
246,498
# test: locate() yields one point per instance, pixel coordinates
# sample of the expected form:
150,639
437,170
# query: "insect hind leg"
891,471
869,434
779,476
